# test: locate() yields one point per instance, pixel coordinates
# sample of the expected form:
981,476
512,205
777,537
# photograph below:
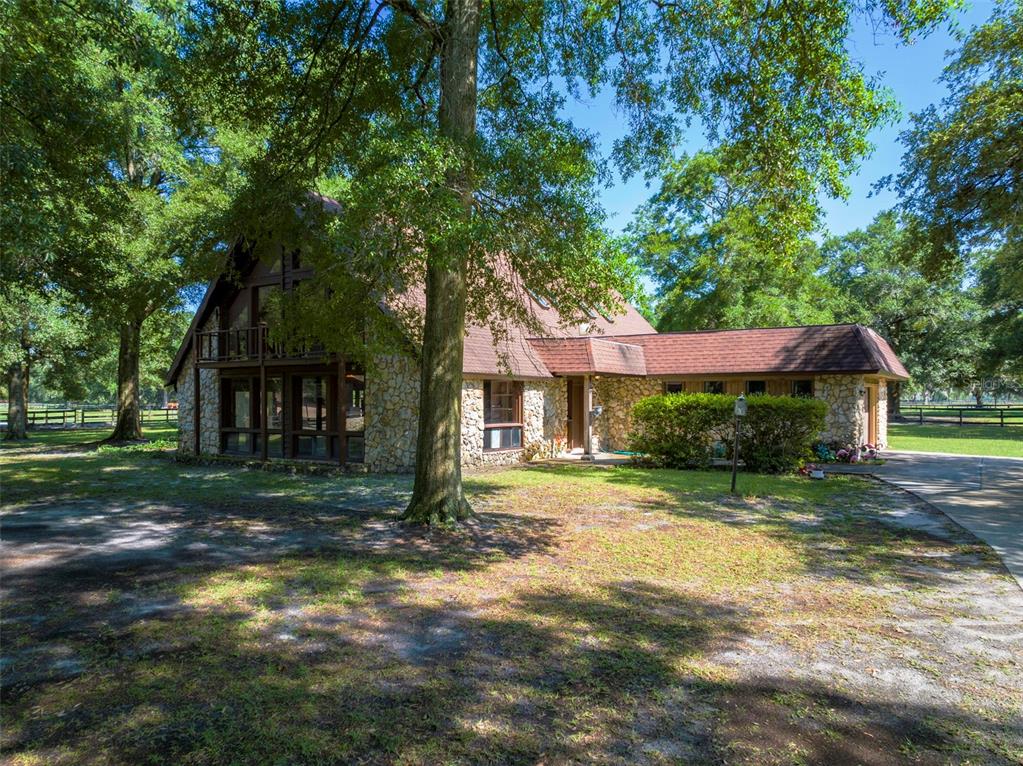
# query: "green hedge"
680,430
779,432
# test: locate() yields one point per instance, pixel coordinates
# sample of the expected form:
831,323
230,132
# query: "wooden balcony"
245,346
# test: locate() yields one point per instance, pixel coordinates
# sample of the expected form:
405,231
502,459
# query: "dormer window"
590,312
539,299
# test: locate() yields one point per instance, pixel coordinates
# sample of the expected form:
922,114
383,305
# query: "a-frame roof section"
186,343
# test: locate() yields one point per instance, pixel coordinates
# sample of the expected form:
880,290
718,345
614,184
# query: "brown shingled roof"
821,349
576,356
515,356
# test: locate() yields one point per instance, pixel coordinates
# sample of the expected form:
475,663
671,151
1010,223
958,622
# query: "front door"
576,399
872,415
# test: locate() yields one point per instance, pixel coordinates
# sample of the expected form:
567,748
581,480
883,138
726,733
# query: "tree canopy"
724,253
962,173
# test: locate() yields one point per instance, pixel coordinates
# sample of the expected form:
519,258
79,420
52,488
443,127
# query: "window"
355,413
238,323
540,300
274,404
314,404
502,438
674,387
502,414
314,414
802,388
267,303
238,410
754,387
237,396
713,387
501,401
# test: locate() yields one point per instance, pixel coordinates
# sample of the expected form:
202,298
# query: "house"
569,391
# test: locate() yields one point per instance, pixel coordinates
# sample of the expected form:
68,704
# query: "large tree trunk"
129,414
894,399
437,496
17,397
978,394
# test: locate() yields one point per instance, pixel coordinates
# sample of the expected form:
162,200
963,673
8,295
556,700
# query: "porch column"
342,411
587,406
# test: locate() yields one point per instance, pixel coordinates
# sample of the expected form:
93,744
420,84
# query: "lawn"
157,612
959,440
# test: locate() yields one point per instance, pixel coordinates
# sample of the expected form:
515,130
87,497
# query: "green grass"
958,440
59,438
586,615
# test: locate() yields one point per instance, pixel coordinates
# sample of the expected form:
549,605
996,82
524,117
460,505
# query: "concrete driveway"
982,494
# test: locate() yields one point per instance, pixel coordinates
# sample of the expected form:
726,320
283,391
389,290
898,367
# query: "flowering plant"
847,454
869,452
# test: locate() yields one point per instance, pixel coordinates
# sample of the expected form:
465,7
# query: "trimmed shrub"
779,432
680,430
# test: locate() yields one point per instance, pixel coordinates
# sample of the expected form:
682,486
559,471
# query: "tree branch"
416,15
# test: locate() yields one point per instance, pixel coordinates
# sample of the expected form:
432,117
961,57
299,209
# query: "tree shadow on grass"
91,570
613,674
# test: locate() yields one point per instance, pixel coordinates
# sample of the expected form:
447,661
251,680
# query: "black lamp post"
740,412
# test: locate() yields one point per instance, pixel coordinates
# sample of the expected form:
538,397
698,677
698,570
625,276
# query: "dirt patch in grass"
585,616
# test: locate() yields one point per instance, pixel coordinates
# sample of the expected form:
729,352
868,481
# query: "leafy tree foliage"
725,253
36,328
92,377
962,175
1000,286
439,128
114,197
933,324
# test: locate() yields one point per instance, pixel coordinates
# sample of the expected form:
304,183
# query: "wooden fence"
963,416
57,418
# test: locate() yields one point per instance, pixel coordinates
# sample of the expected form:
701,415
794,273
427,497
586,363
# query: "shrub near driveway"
679,430
778,432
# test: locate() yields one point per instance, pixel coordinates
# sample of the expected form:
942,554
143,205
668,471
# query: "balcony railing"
246,344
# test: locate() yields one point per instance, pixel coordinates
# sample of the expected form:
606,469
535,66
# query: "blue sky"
910,71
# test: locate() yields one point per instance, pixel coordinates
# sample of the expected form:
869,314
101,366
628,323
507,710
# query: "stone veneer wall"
209,403
846,397
472,422
617,396
392,414
209,416
545,417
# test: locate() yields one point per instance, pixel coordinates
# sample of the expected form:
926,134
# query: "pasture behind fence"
962,416
78,417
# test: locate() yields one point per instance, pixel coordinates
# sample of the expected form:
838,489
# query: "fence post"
960,417
920,414
1001,418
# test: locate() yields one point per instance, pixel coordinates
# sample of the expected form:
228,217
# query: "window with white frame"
502,414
